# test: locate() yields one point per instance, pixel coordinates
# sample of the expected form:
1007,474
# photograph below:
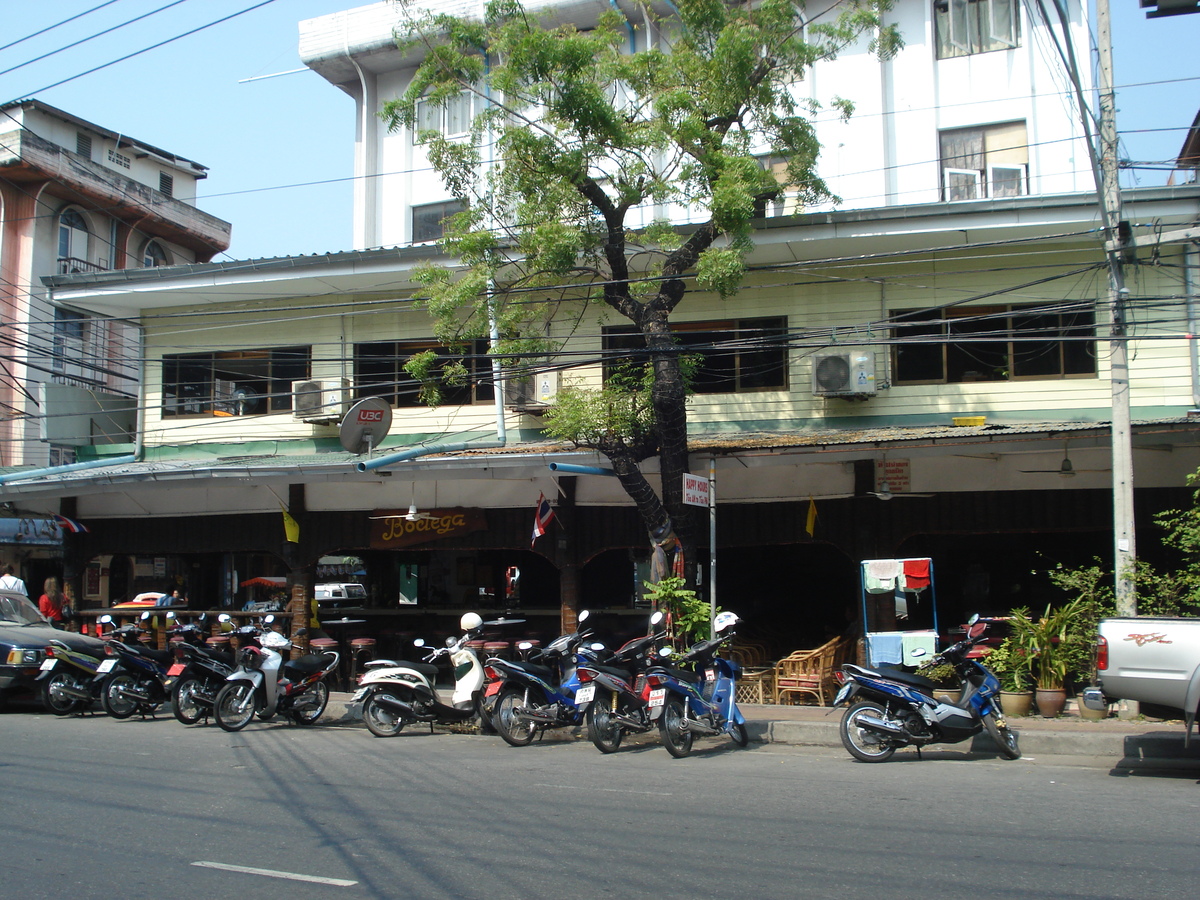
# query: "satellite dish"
366,424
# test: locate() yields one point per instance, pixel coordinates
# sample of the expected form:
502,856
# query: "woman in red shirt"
52,603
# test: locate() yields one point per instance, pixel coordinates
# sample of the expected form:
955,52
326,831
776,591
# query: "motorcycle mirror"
583,616
657,617
223,617
524,645
974,618
105,620
145,616
665,652
269,620
917,653
596,647
419,642
450,642
301,632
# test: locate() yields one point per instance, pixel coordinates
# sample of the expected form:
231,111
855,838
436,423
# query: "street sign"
695,490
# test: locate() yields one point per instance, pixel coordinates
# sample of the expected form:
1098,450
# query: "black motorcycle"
132,677
196,675
899,709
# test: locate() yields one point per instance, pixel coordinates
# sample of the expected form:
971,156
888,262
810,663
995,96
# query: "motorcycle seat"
892,674
429,670
545,673
165,657
312,662
680,674
616,672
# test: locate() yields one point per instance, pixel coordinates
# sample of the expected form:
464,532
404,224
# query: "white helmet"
470,621
725,620
273,640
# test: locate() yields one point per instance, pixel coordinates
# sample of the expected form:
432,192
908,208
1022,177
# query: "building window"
428,220
73,243
985,161
379,372
993,343
976,26
68,341
166,184
232,382
453,119
734,355
154,255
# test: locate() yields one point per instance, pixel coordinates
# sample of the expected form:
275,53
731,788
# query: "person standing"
53,604
10,582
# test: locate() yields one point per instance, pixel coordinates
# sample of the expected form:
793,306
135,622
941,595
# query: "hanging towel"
885,648
916,574
879,575
918,640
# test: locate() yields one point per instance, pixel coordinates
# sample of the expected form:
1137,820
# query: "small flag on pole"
810,524
71,525
291,528
541,518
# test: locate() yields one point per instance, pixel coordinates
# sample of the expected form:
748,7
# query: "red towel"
916,574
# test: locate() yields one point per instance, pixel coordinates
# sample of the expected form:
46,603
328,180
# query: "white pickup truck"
1150,660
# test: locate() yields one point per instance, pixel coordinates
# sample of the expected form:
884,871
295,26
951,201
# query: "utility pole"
1116,235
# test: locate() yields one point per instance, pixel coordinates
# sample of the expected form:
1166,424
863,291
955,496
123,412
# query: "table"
343,645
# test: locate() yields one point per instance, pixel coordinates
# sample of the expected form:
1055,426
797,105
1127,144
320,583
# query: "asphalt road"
97,808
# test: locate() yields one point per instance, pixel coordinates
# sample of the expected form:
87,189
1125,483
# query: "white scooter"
395,693
264,683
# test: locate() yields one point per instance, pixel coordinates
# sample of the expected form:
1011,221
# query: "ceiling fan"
413,515
1066,469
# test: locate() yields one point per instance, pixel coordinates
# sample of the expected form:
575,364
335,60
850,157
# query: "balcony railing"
68,265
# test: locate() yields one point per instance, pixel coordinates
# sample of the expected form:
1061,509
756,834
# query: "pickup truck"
1150,660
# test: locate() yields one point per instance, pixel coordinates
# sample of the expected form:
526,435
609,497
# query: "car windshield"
18,609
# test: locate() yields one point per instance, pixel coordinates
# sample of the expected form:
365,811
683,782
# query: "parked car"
24,634
335,596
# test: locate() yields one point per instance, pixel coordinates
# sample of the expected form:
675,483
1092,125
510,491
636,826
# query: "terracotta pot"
1016,704
1050,701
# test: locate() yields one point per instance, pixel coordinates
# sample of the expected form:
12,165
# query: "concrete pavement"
1121,743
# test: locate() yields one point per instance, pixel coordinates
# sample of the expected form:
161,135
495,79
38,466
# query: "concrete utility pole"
1116,234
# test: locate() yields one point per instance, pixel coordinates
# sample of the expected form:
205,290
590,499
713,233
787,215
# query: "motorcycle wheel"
311,704
1003,736
676,738
112,698
602,730
382,721
234,707
740,735
862,743
183,701
53,698
515,731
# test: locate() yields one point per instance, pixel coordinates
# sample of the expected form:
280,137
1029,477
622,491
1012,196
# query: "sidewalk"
1131,743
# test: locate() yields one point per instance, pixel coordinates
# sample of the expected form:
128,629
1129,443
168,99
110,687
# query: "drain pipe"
415,452
571,469
1191,258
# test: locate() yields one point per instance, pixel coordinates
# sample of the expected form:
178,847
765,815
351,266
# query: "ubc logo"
366,416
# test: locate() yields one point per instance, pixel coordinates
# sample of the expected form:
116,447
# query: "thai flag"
541,518
71,525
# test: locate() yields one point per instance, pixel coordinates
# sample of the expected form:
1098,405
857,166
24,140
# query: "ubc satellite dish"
366,424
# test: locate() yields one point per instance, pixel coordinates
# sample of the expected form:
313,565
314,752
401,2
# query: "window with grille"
428,221
379,372
232,382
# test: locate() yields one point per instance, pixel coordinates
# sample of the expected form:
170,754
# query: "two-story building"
926,365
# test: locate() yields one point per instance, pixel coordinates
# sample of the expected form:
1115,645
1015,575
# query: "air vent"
166,184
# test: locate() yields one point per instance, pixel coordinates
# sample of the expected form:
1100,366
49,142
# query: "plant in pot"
1092,592
1010,664
943,675
1051,643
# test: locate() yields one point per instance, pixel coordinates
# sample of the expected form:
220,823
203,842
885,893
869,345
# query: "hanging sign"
695,490
394,528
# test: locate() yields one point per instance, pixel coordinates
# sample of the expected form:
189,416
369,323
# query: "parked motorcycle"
529,696
699,701
264,683
198,673
899,709
131,678
614,695
68,679
396,693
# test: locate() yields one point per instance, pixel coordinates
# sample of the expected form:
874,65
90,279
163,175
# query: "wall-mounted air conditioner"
844,373
533,392
320,401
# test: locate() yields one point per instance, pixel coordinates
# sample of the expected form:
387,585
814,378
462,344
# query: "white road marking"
272,873
575,787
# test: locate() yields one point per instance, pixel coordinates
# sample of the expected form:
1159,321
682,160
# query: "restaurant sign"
392,528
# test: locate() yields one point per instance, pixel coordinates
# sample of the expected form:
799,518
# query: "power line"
57,24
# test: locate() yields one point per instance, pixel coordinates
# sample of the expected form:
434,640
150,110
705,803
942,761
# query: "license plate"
492,688
48,664
843,693
176,669
585,694
710,675
657,698
106,666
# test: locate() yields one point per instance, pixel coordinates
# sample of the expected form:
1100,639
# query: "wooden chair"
809,672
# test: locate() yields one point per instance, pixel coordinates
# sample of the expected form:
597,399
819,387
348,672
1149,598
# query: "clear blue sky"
280,150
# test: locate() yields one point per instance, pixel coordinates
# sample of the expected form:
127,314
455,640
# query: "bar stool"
498,649
534,646
360,647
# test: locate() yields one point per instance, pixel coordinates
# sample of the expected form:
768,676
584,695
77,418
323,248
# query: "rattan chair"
809,673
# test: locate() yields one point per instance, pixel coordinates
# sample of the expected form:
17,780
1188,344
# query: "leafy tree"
574,137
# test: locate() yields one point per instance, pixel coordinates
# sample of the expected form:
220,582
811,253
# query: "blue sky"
280,150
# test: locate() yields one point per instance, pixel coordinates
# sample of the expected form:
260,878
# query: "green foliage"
1011,665
689,614
1059,643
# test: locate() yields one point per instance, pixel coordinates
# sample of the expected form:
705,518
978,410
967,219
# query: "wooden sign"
392,528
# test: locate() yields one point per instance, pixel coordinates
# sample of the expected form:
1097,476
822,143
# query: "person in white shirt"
10,582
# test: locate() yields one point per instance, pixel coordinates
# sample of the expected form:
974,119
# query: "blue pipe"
571,469
70,467
415,452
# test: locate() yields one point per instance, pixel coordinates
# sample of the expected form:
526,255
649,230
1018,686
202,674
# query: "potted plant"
1010,665
1052,644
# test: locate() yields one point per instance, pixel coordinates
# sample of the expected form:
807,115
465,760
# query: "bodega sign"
394,528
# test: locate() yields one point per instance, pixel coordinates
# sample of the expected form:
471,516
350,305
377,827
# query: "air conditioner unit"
533,392
320,401
844,373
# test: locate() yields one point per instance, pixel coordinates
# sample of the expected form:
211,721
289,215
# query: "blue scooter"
699,702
